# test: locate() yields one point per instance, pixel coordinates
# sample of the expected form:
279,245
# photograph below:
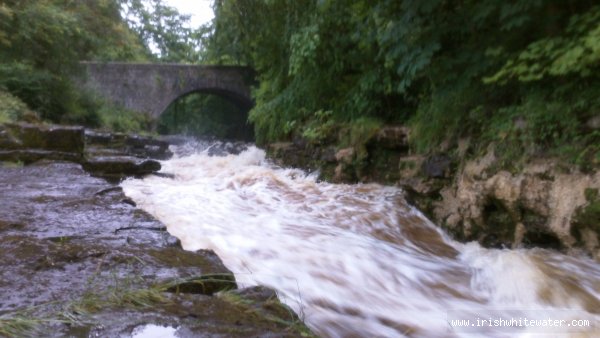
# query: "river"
357,260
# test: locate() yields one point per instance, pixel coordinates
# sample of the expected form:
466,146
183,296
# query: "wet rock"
264,302
289,154
257,293
109,190
437,166
328,155
148,147
28,156
541,239
499,225
422,193
173,241
586,221
227,148
48,137
120,166
118,144
33,142
164,175
9,226
7,140
343,173
129,201
536,207
492,241
92,265
280,148
345,155
392,137
205,285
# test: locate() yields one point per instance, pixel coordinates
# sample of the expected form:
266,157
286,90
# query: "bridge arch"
207,113
150,88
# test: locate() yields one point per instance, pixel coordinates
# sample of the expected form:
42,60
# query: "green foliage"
519,73
108,36
303,46
320,127
205,115
574,51
42,43
123,294
11,108
122,120
451,113
19,326
357,133
164,31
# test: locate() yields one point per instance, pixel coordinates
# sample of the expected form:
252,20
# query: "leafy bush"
123,120
357,133
11,108
320,127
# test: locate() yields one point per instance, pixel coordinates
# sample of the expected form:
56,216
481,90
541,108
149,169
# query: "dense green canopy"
449,68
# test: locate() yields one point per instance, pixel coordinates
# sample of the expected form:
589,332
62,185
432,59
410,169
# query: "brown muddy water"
357,260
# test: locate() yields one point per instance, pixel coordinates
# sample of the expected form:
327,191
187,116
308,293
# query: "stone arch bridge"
150,88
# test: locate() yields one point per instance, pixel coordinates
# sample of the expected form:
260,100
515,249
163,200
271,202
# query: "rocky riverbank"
546,203
79,259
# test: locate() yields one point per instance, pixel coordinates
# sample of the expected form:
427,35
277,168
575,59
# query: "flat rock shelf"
78,259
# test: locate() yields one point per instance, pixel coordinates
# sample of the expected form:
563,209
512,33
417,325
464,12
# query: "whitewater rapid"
357,260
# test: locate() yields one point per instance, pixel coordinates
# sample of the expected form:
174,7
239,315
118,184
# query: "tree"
164,30
42,44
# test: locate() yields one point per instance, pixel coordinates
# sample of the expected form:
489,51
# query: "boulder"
48,137
33,142
102,143
147,147
120,166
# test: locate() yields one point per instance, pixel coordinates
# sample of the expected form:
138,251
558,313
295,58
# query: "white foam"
353,259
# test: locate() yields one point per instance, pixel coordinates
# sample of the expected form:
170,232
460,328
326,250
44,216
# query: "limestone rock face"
437,166
534,207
